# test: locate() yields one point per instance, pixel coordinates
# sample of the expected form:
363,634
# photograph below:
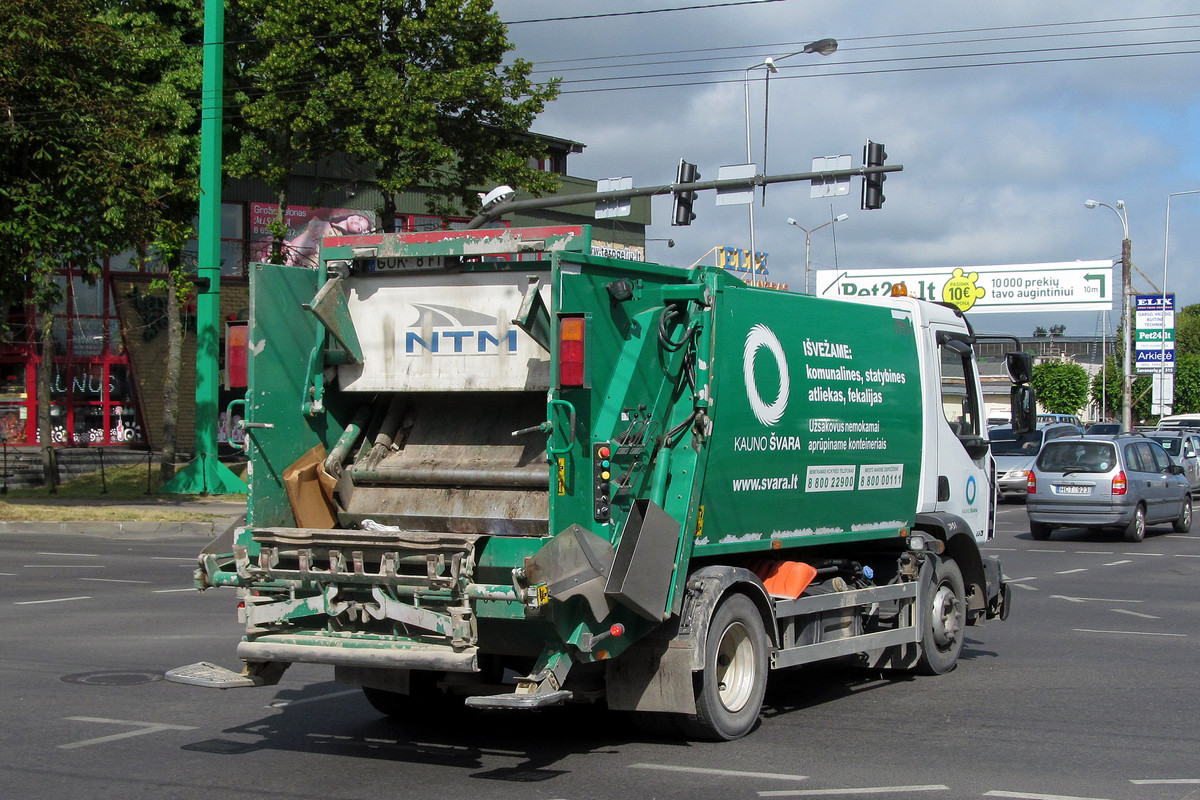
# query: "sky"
1006,117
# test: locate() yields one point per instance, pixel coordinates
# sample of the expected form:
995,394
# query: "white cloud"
997,159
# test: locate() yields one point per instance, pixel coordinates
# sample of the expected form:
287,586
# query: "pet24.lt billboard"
1062,286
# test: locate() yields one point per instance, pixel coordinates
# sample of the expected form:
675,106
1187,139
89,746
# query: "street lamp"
808,240
823,47
1126,313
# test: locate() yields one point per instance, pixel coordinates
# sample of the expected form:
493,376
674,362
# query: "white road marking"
1095,552
1135,613
112,580
1092,599
1071,571
871,790
1187,555
1118,563
1132,633
728,773
169,591
1021,580
1026,588
72,555
1038,796
1047,551
287,703
1165,781
1147,555
140,728
55,600
65,566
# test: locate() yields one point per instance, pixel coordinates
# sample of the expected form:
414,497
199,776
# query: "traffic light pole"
499,209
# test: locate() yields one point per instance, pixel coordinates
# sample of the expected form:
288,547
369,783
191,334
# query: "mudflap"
999,593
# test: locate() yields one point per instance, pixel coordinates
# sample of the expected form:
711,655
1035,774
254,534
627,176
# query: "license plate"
1072,490
405,263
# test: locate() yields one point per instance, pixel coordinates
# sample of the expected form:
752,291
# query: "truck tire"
1135,531
1183,522
730,688
943,620
423,699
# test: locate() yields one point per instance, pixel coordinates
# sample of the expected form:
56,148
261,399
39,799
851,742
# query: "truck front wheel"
943,619
730,688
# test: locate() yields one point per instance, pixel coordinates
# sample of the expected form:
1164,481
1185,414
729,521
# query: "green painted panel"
817,422
281,338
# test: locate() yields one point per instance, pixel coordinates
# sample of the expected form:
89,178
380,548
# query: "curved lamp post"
808,232
1126,313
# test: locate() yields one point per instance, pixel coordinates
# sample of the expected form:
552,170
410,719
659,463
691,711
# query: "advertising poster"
306,227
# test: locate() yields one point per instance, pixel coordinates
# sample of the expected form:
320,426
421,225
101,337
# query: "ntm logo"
456,331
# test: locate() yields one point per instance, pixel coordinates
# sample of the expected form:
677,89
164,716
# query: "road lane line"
728,773
64,566
141,728
72,555
288,703
1071,571
1032,550
169,591
866,790
1134,613
1165,781
1095,552
112,580
1118,563
1145,555
1038,796
1132,633
55,600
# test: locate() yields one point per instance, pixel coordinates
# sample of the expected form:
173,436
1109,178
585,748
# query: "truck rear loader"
489,468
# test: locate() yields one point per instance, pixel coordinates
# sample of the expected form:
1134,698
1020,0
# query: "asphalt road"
1089,690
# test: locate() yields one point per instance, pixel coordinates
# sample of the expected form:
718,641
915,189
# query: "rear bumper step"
519,701
355,655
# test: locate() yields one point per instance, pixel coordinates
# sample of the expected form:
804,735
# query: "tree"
1061,386
168,32
1187,383
1039,331
1187,330
1111,379
414,90
79,149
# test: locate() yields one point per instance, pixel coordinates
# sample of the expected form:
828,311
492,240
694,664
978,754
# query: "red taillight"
570,351
1119,484
1031,483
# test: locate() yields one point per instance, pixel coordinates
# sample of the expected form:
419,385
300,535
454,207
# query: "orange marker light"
570,351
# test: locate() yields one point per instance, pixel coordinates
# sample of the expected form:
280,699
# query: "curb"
121,530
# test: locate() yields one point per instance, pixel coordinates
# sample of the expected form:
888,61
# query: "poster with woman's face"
306,227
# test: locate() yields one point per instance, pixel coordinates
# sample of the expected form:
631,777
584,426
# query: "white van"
1173,421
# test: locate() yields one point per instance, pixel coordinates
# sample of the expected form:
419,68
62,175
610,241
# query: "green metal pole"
205,474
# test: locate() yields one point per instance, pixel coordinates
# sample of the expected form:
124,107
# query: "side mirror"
1020,366
1024,408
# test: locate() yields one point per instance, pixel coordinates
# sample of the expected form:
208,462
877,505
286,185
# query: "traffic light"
684,199
872,188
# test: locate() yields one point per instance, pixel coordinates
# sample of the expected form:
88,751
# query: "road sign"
1063,286
739,195
613,208
830,187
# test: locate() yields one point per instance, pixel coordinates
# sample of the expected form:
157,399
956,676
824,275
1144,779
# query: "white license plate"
406,263
1072,490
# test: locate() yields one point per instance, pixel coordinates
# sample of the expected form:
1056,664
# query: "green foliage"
1061,386
1187,330
1187,382
1110,378
414,89
89,126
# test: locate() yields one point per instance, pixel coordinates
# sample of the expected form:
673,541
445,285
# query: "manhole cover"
113,678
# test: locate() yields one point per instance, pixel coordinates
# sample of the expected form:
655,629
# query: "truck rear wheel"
943,619
730,688
423,698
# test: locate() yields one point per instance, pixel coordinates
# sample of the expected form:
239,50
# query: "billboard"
1061,286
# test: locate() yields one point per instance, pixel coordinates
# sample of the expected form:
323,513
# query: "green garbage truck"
491,469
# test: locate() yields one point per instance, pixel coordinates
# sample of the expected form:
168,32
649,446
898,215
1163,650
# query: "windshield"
1005,443
1076,456
1169,443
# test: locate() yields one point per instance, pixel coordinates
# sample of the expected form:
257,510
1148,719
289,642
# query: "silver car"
1014,454
1126,482
1184,449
